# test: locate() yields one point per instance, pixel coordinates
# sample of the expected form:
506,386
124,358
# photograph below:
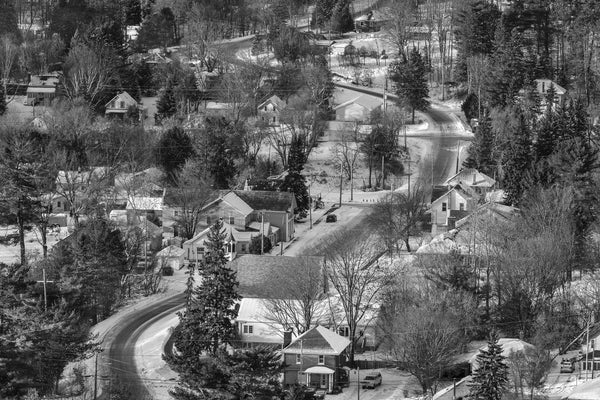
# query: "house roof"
490,212
267,200
471,177
123,96
232,233
70,177
375,15
559,90
318,340
236,202
366,101
463,191
257,275
275,100
46,80
171,251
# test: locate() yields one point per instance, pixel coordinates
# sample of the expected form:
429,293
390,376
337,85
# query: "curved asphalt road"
121,352
445,141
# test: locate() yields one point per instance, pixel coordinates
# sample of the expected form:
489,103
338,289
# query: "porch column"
330,383
307,379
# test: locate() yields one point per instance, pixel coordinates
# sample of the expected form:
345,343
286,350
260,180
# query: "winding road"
121,352
120,358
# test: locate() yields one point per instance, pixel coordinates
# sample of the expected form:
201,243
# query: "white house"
170,256
270,109
472,178
357,109
121,103
456,203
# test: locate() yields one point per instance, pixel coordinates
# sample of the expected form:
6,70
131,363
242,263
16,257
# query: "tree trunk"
21,227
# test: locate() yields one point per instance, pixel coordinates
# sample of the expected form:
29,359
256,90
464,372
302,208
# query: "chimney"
287,338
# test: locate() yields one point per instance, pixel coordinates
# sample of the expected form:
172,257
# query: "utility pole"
587,348
382,171
310,206
96,377
341,182
457,155
358,382
262,232
44,281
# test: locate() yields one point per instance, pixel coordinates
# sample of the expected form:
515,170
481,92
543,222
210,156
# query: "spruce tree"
206,326
480,151
410,81
516,158
341,18
166,106
490,379
294,181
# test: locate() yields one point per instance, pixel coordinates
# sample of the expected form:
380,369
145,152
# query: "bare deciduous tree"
424,328
395,218
355,276
301,301
189,197
8,55
87,72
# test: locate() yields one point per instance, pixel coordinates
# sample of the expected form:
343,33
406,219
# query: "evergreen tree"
410,81
516,158
480,151
490,379
294,181
254,247
255,373
172,151
206,325
221,148
341,18
2,101
166,106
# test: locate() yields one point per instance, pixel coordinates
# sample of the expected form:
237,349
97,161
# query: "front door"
323,381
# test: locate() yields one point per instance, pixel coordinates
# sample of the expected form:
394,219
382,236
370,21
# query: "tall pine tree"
294,181
206,326
2,101
480,151
410,81
490,379
516,157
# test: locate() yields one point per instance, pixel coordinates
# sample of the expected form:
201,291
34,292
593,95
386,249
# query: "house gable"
318,340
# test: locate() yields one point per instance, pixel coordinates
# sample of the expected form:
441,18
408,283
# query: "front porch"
320,376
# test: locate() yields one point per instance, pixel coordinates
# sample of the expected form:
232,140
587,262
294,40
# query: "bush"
254,247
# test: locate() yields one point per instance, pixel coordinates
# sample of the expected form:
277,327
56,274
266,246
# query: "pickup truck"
371,380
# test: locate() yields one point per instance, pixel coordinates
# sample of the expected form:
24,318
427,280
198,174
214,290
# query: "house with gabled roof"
120,105
43,88
358,109
315,358
243,209
454,204
269,110
478,181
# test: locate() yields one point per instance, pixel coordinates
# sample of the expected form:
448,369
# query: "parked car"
567,366
371,381
331,218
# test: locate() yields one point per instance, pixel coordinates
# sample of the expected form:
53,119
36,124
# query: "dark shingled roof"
258,275
318,340
266,200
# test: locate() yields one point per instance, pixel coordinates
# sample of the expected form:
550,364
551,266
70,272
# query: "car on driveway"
567,366
371,381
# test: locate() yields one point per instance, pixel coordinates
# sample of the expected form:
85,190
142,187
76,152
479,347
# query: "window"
231,220
122,104
176,213
208,219
58,204
461,206
344,331
321,359
249,329
200,251
273,119
243,248
444,206
298,359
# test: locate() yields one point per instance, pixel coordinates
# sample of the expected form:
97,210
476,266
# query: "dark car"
567,366
331,218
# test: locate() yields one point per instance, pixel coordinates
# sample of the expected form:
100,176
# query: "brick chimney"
287,338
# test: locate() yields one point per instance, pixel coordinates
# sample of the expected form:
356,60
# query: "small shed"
171,256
